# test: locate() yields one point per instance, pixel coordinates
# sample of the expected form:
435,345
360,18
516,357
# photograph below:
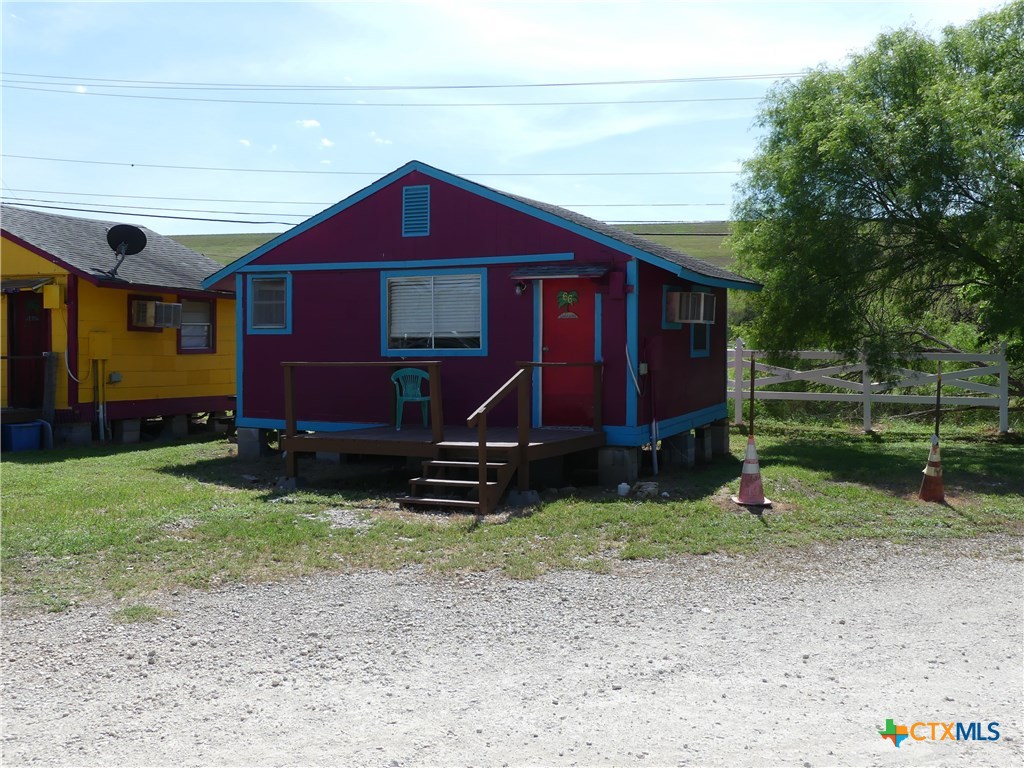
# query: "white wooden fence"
866,391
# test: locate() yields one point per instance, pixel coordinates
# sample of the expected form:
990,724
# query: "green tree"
886,199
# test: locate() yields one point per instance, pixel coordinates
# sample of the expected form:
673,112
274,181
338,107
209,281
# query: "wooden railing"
433,368
522,381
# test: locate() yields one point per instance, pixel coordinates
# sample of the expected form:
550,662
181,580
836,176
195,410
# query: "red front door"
29,336
567,314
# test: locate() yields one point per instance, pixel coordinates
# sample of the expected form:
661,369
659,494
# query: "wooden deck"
418,441
473,461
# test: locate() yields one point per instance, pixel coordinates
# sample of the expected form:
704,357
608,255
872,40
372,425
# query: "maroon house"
423,265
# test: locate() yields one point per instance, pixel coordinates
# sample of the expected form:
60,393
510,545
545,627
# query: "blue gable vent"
416,211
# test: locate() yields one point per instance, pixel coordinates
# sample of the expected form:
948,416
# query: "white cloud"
378,139
325,162
81,89
308,123
325,143
245,142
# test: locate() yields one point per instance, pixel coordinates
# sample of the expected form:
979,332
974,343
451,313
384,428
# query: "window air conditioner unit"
156,314
682,307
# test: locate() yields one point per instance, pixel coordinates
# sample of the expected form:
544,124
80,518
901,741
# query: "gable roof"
80,245
678,263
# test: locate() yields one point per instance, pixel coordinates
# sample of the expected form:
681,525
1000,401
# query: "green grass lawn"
105,521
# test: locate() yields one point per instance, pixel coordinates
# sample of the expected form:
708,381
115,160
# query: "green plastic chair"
409,389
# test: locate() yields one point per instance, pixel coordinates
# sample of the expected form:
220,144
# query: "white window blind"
196,325
269,302
434,312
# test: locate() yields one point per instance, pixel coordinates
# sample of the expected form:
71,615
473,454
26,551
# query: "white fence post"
1004,392
866,382
737,383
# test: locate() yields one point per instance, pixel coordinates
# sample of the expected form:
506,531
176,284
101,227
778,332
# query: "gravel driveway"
785,658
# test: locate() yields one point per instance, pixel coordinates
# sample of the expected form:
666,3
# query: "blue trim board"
414,353
313,221
239,343
598,339
641,435
632,339
287,329
534,258
538,350
489,194
309,426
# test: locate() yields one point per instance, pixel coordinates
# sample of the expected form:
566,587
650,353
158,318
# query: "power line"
154,197
386,104
171,84
34,201
134,211
157,216
307,202
358,173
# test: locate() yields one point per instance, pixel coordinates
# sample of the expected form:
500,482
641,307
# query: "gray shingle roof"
635,241
82,245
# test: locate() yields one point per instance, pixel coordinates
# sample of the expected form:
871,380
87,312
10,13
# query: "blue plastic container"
21,437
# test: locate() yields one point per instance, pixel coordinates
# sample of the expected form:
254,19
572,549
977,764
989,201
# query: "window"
700,340
437,311
270,304
196,333
416,211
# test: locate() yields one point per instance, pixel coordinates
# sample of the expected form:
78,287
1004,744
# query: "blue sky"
163,146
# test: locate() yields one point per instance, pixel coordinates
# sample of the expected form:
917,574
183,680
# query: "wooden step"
427,501
449,483
463,464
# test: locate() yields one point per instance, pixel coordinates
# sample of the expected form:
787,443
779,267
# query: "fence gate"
967,391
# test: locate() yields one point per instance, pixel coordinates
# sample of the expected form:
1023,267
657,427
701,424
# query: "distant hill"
225,248
703,240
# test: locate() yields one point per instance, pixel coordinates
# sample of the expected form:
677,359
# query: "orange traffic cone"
931,484
751,490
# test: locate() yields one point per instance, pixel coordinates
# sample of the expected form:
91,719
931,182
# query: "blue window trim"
386,352
700,328
416,220
287,329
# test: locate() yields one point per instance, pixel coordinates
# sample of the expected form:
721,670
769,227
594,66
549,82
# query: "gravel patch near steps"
782,658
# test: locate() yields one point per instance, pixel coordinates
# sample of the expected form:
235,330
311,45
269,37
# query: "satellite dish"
125,240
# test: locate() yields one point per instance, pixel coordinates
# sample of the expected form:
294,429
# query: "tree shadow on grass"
357,475
984,467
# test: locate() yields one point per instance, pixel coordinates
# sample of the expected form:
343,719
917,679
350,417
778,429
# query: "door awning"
23,284
551,271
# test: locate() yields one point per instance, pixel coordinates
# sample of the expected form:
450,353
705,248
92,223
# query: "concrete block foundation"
679,450
252,443
617,464
127,431
174,427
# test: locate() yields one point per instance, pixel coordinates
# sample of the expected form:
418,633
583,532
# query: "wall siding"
149,363
337,311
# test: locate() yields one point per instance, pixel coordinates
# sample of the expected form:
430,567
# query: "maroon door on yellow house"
567,394
29,336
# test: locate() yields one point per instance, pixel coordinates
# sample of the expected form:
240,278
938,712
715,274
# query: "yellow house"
95,340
